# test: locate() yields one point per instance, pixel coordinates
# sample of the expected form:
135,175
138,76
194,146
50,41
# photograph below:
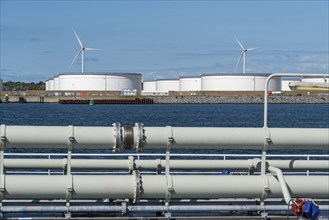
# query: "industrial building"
1,85
238,82
214,82
94,82
311,83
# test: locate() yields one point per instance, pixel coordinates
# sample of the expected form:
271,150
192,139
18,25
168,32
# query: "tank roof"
166,80
96,74
236,74
192,77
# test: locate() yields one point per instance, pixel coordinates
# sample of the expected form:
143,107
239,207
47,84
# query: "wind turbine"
243,54
82,52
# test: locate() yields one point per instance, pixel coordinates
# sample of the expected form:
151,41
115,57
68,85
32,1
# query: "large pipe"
155,187
158,137
238,138
130,164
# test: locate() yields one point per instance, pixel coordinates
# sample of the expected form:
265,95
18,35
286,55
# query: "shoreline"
180,99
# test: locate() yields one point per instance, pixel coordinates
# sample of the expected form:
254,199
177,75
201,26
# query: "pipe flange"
128,137
137,186
124,208
117,141
140,137
131,164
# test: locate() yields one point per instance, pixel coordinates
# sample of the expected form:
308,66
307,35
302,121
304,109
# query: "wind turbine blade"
237,40
254,48
76,35
75,58
237,64
92,48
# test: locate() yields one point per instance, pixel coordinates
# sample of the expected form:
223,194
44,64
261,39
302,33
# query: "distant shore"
242,99
183,99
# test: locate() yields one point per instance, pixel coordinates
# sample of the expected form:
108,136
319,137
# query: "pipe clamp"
137,186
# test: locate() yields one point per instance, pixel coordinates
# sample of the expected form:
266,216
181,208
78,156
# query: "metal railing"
158,156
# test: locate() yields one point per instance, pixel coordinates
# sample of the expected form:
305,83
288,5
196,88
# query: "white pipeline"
155,187
140,137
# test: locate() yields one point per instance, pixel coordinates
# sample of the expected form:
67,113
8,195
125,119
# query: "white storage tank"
95,82
56,83
167,85
51,83
149,86
238,82
120,81
275,83
285,85
47,85
81,82
190,83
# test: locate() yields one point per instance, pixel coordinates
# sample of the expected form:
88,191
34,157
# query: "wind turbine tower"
82,52
243,55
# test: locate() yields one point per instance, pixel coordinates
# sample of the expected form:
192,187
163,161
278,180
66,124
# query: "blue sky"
162,39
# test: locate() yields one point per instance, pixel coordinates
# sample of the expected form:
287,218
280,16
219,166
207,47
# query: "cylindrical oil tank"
167,85
274,83
149,86
56,83
51,84
78,82
47,85
190,83
120,81
238,82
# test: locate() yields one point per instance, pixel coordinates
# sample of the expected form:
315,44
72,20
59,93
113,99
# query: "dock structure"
107,101
136,191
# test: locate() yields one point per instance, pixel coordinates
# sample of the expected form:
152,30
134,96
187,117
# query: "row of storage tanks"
205,82
214,82
121,81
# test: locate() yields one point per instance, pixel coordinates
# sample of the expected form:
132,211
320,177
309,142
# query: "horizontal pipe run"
238,138
155,186
146,208
140,137
125,164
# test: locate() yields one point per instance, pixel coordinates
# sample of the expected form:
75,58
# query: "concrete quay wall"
241,99
181,99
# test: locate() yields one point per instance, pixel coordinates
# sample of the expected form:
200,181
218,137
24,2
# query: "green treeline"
22,86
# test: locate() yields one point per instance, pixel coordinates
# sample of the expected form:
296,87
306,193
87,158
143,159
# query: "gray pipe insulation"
139,137
138,186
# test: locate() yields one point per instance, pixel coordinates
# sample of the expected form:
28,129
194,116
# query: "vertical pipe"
282,182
